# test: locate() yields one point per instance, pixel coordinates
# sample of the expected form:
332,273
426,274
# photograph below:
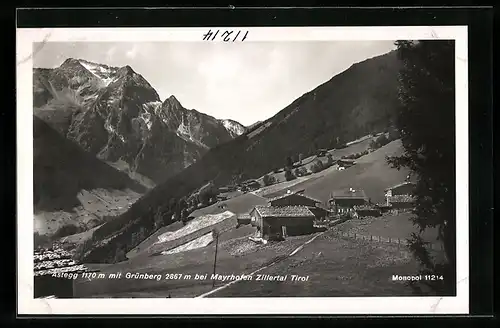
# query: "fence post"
389,240
354,235
371,237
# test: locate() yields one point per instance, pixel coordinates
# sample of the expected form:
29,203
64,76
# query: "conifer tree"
426,124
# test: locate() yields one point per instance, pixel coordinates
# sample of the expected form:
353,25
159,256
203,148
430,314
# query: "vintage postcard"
253,170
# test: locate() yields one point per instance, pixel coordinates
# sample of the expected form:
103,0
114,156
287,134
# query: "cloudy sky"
247,82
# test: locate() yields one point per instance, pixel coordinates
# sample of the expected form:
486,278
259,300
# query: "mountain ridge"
115,113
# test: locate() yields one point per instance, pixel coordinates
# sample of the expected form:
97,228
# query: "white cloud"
132,53
110,53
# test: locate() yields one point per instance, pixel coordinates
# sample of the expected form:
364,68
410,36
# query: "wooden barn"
405,188
278,222
343,202
345,162
295,199
55,273
401,202
365,211
243,219
400,195
299,199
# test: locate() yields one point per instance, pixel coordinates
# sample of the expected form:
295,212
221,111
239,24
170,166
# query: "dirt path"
298,249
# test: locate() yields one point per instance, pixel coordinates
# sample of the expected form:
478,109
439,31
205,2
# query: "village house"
243,219
364,211
400,196
343,202
225,189
287,215
345,163
251,184
54,272
278,222
293,199
401,202
221,197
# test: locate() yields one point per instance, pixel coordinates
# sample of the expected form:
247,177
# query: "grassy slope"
199,261
371,173
387,226
336,267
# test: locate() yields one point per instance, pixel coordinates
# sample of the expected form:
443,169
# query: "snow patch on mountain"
146,117
104,73
111,130
234,128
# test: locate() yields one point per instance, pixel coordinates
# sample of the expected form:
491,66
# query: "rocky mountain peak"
126,70
123,119
70,61
172,103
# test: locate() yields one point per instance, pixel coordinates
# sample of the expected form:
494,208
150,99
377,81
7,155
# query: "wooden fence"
380,239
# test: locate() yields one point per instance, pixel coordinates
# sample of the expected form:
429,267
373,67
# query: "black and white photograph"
243,169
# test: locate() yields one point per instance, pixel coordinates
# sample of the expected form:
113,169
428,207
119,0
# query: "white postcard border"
314,305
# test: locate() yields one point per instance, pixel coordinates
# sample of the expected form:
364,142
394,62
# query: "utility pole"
215,233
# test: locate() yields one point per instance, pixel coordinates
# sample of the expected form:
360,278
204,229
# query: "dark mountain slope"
359,101
62,170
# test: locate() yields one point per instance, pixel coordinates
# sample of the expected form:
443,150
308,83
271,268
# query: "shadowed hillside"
62,170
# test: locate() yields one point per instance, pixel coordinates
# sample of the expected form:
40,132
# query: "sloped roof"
365,207
347,194
293,194
283,211
401,198
400,185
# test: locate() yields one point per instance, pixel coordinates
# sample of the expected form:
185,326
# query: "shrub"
317,166
379,142
394,134
120,255
289,175
330,160
268,180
